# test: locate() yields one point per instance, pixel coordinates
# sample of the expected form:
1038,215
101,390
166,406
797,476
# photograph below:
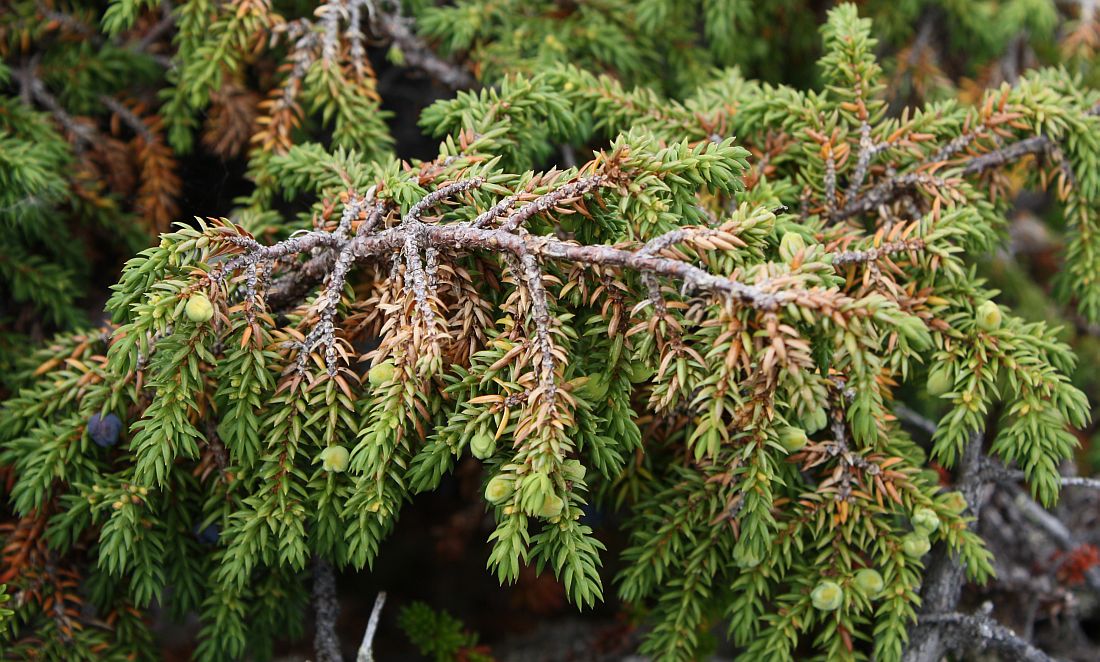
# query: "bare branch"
1067,481
128,116
884,192
868,149
437,196
366,654
470,236
915,419
1075,481
1007,154
978,631
84,135
399,30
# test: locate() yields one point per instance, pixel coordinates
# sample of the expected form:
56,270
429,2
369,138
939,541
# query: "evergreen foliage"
701,316
438,635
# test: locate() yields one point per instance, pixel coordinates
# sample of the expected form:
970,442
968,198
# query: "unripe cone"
744,558
483,445
827,596
640,373
939,382
816,421
552,506
869,582
989,316
499,489
915,544
198,308
573,470
925,520
955,501
595,389
791,245
381,373
334,459
793,439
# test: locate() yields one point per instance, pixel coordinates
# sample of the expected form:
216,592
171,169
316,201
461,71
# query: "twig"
1041,518
890,188
398,29
1075,481
167,22
326,643
1007,154
128,116
872,254
1052,526
967,631
868,149
83,135
365,653
547,202
1067,481
915,419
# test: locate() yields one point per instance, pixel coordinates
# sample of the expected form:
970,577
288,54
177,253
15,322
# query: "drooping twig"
326,608
540,309
830,186
324,332
366,652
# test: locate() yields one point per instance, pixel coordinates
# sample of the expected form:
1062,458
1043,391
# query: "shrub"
693,299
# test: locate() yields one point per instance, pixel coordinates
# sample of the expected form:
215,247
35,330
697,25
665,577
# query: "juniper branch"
890,188
873,254
547,202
